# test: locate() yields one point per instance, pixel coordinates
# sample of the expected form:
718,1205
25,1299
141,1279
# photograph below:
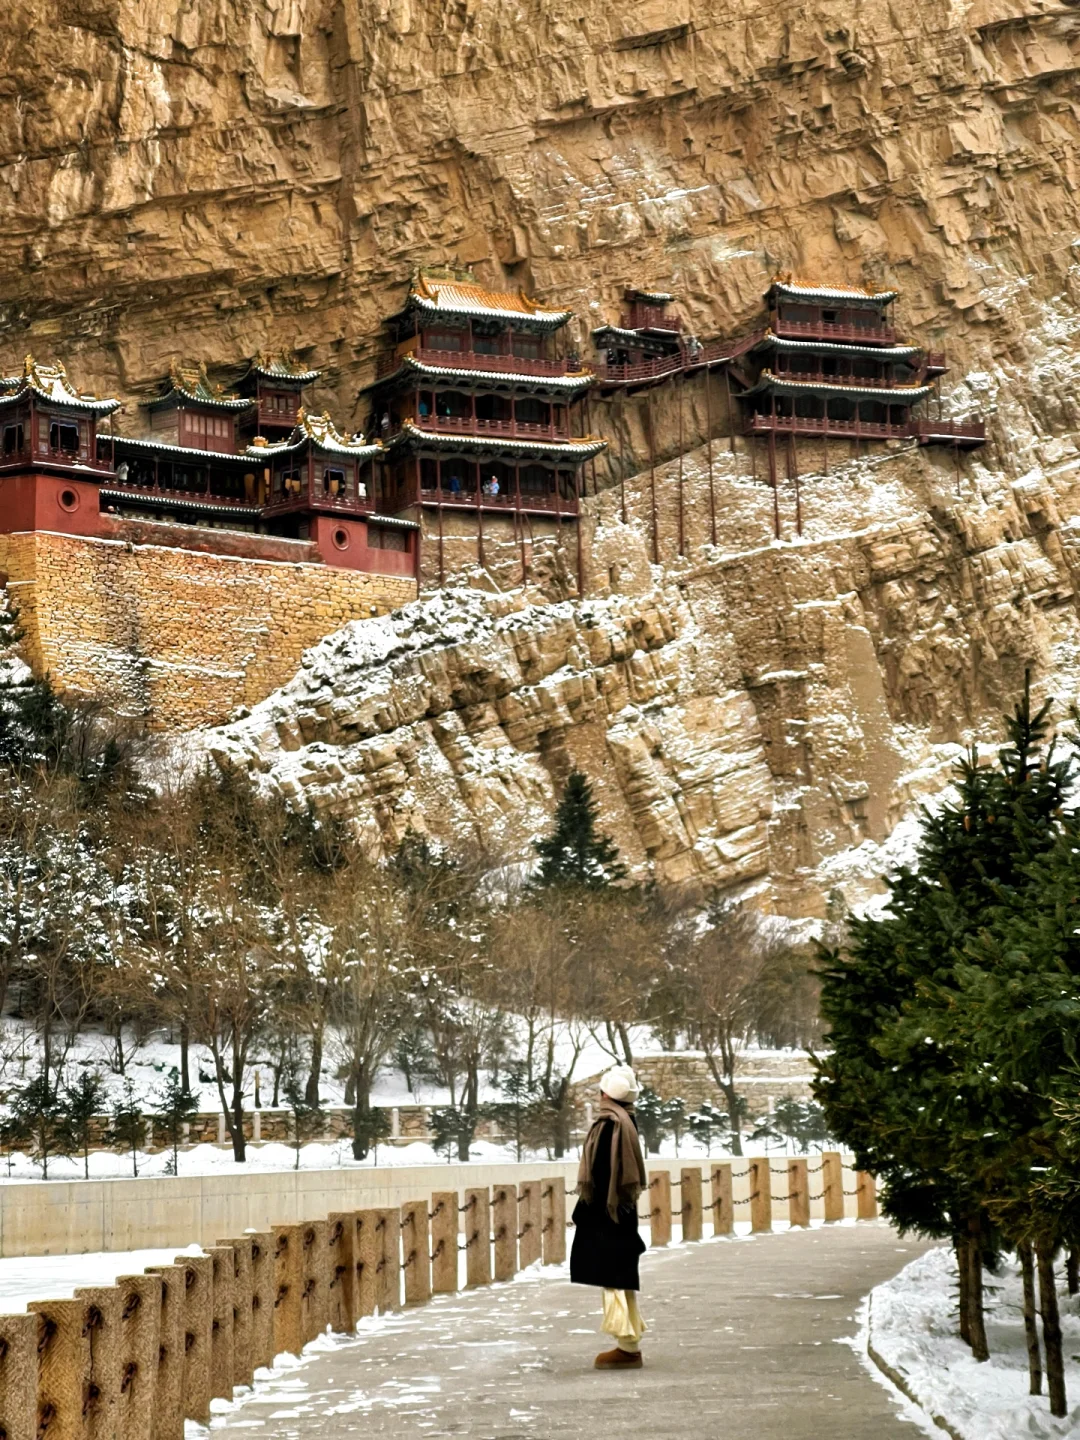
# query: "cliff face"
227,175
234,173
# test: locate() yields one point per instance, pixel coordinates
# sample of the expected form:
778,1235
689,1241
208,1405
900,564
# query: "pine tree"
127,1130
652,1121
308,1118
175,1105
707,1121
899,1084
575,853
39,1119
85,1101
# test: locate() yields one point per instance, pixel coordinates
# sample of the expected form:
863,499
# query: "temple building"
480,405
194,479
274,385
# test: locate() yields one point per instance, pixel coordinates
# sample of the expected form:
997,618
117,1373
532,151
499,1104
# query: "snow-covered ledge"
910,1339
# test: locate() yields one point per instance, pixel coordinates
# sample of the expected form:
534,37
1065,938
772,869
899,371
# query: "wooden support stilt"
519,523
442,558
730,417
772,482
793,462
682,507
622,456
479,520
825,444
708,452
580,552
652,479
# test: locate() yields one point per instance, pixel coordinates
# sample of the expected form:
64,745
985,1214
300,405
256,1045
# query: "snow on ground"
911,1323
57,1277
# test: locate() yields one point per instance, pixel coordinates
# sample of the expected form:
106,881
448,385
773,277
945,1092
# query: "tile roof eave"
328,447
829,292
175,450
541,320
176,397
829,347
894,394
480,442
562,382
72,402
300,377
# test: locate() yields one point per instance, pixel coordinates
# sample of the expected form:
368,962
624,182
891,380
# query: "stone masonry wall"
175,636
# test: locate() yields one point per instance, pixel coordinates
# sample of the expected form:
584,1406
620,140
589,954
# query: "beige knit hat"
620,1083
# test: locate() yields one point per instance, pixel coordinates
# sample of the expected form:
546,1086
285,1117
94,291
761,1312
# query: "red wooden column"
438,493
652,478
519,523
479,516
682,509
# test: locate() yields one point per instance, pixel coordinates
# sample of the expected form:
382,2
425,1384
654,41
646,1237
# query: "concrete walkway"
744,1347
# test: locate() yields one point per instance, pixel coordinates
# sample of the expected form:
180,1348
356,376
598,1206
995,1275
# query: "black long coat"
604,1252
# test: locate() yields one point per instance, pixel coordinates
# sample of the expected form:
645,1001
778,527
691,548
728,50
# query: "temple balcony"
314,497
649,317
935,362
964,434
831,429
467,501
476,360
53,459
203,496
851,382
514,429
833,330
269,413
684,361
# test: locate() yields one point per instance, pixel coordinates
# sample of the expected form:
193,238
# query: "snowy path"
746,1345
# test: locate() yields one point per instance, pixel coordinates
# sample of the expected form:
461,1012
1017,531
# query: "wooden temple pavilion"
274,386
650,344
480,407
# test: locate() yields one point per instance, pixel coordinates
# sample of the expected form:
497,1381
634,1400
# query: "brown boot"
618,1360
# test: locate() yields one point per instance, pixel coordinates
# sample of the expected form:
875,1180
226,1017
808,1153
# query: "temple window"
13,439
333,481
527,346
64,437
429,475
291,483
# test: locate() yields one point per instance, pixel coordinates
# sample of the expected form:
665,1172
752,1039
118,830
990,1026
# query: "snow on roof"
578,381
651,297
177,500
892,394
50,383
797,290
321,432
191,382
451,292
769,341
172,451
581,450
283,366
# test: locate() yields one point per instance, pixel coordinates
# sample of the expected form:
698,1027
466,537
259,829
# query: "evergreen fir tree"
85,1101
706,1122
127,1130
308,1118
652,1121
39,1119
575,853
174,1107
898,1084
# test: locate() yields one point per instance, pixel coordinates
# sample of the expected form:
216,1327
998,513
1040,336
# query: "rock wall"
257,173
175,636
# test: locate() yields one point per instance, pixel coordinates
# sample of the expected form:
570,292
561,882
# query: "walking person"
607,1245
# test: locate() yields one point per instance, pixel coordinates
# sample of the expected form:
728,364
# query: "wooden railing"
926,431
467,425
546,503
474,360
831,330
49,455
139,1357
842,429
861,382
690,357
202,496
313,496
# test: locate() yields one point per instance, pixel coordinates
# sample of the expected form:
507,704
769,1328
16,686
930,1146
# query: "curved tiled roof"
769,341
456,296
888,395
191,382
321,432
580,450
796,290
174,452
50,383
579,381
281,366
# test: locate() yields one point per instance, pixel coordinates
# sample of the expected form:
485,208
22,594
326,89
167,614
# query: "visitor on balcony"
122,473
455,485
493,486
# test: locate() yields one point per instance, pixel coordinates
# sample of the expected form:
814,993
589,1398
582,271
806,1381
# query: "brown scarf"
628,1177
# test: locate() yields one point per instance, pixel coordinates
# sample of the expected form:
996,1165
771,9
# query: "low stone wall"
760,1079
176,635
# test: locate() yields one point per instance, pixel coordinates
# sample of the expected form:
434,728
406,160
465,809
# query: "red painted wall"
343,542
51,502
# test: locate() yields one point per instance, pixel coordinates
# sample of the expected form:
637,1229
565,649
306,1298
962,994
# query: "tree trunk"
311,1089
239,1143
1031,1328
1072,1270
979,1348
185,1062
1051,1323
361,1111
960,1248
624,1040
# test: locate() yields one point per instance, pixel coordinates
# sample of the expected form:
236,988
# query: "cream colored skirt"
622,1319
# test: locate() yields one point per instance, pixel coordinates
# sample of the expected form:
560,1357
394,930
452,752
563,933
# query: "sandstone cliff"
227,174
